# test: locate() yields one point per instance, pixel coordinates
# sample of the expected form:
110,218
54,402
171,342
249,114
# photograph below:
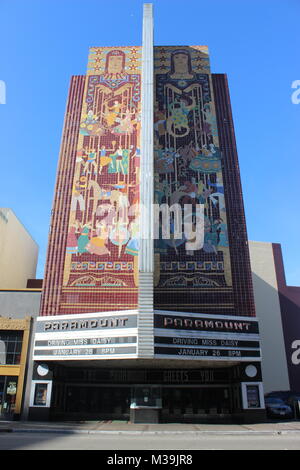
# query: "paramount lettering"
202,324
109,322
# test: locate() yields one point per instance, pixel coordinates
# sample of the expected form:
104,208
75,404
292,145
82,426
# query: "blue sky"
256,42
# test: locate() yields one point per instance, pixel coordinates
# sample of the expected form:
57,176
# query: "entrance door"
185,403
96,402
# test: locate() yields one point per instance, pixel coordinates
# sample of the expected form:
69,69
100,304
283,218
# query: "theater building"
137,323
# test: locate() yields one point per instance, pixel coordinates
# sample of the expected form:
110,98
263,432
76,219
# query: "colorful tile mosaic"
188,170
102,242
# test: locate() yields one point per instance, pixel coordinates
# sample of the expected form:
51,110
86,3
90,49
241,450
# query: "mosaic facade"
188,170
92,262
101,257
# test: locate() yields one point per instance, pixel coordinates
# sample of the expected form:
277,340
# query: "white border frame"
244,395
32,393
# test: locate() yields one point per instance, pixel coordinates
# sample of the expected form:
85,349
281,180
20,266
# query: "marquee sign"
89,336
184,335
177,335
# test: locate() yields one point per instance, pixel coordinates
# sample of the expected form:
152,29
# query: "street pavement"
123,427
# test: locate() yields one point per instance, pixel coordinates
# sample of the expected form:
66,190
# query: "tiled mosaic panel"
101,259
188,170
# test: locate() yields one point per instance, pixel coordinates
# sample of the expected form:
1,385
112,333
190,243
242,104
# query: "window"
10,346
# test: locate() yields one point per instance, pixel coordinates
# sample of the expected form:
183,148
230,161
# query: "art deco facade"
134,324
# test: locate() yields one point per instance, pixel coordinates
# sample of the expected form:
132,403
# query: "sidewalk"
123,427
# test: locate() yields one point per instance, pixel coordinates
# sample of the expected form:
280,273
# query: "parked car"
276,408
294,402
283,394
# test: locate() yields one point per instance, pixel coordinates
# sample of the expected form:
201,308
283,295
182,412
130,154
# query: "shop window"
2,352
10,347
8,392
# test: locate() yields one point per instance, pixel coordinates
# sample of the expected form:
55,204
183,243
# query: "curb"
136,433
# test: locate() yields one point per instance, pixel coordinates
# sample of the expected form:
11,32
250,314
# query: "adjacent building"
278,310
19,304
18,252
147,309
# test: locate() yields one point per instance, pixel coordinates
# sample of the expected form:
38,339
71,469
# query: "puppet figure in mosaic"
107,169
188,168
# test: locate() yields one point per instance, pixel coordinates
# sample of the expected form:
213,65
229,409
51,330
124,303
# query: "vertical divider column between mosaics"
237,229
146,256
57,239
